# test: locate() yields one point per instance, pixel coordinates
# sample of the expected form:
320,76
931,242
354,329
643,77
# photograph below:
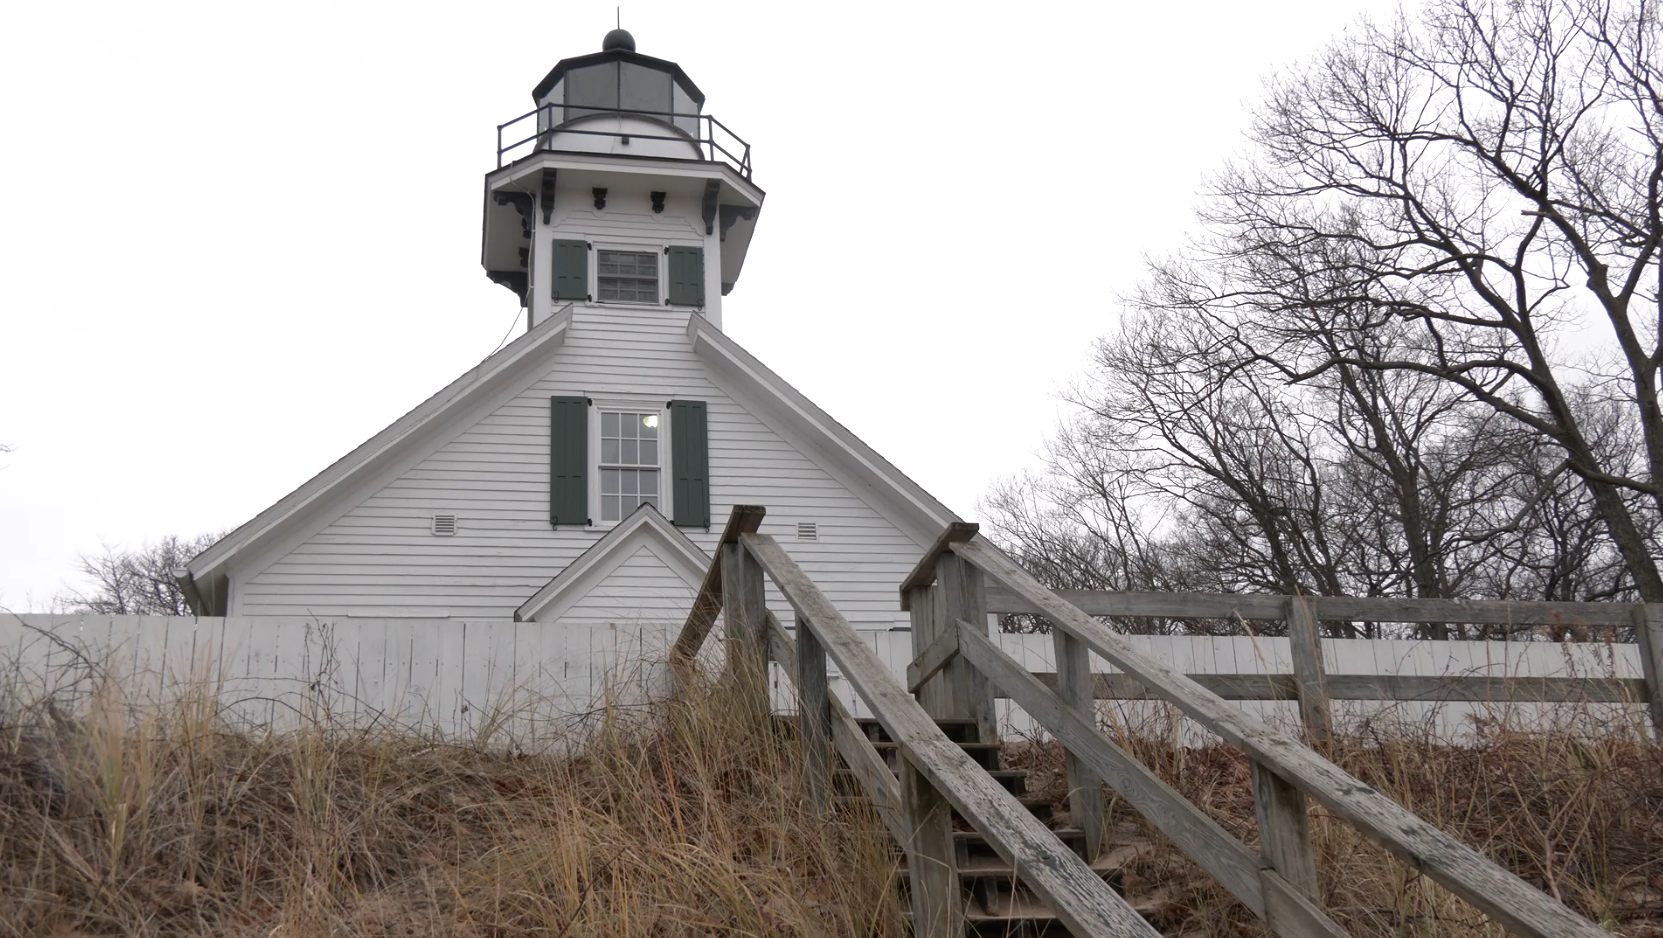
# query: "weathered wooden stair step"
957,730
1014,780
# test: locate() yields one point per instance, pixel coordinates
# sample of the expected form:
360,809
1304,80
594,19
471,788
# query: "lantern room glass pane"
686,109
595,86
644,89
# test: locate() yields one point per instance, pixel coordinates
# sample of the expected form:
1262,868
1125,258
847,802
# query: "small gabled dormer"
618,190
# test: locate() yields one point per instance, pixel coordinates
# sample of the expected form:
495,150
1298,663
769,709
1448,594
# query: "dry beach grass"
124,819
120,821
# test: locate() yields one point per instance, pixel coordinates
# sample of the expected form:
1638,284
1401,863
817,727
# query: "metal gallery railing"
714,140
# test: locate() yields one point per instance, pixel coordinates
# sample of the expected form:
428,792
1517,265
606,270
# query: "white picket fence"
477,678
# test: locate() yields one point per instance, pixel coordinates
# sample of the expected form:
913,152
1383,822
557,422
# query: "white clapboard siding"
380,559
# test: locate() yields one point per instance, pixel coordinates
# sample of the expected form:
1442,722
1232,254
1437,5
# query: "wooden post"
1085,787
1285,830
962,594
744,610
814,715
937,902
1307,669
1648,632
935,694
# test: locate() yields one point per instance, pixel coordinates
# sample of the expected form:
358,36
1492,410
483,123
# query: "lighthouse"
577,477
618,188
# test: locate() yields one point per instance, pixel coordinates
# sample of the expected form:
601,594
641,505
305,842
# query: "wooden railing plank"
1467,688
961,594
1290,914
937,898
1085,787
814,717
1326,608
1648,632
744,608
1201,838
1306,645
707,605
857,751
1285,830
1459,868
1078,896
923,574
932,659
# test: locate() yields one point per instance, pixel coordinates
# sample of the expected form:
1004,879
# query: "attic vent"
444,525
808,531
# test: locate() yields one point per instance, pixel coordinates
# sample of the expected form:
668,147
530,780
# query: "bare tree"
137,582
1490,180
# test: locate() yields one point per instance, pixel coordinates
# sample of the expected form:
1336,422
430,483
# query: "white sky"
237,239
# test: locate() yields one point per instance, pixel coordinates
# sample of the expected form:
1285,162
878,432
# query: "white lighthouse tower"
618,189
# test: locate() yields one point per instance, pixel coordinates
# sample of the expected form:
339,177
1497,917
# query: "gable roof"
645,527
204,576
750,383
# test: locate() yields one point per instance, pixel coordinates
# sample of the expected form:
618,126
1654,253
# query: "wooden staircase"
983,855
996,903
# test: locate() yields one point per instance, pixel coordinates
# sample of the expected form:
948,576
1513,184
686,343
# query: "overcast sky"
237,239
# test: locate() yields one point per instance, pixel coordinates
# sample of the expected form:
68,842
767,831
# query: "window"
629,462
627,277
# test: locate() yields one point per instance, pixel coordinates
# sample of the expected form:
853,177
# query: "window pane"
609,481
649,426
649,481
609,508
649,453
629,426
609,451
630,455
594,86
650,500
645,89
628,479
609,425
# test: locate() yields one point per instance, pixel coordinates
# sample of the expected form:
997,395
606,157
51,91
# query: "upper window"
627,276
629,462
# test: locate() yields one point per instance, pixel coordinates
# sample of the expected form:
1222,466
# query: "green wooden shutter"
568,460
690,463
571,270
686,276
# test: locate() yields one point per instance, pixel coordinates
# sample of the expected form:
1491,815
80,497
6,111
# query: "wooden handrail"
1262,606
1084,903
707,605
1517,905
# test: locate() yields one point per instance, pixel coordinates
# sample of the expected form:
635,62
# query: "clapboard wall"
380,558
464,676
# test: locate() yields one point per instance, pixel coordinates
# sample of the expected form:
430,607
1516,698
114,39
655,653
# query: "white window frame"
657,249
634,405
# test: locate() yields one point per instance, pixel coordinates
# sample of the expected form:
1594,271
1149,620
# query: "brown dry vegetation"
1575,811
674,821
128,823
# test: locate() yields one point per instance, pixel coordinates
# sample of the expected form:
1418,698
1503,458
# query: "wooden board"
1329,608
1189,828
1085,904
707,605
1464,871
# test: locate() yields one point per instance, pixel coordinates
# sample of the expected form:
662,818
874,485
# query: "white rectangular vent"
444,525
808,531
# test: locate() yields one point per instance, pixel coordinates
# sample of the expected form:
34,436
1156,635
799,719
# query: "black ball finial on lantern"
618,39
